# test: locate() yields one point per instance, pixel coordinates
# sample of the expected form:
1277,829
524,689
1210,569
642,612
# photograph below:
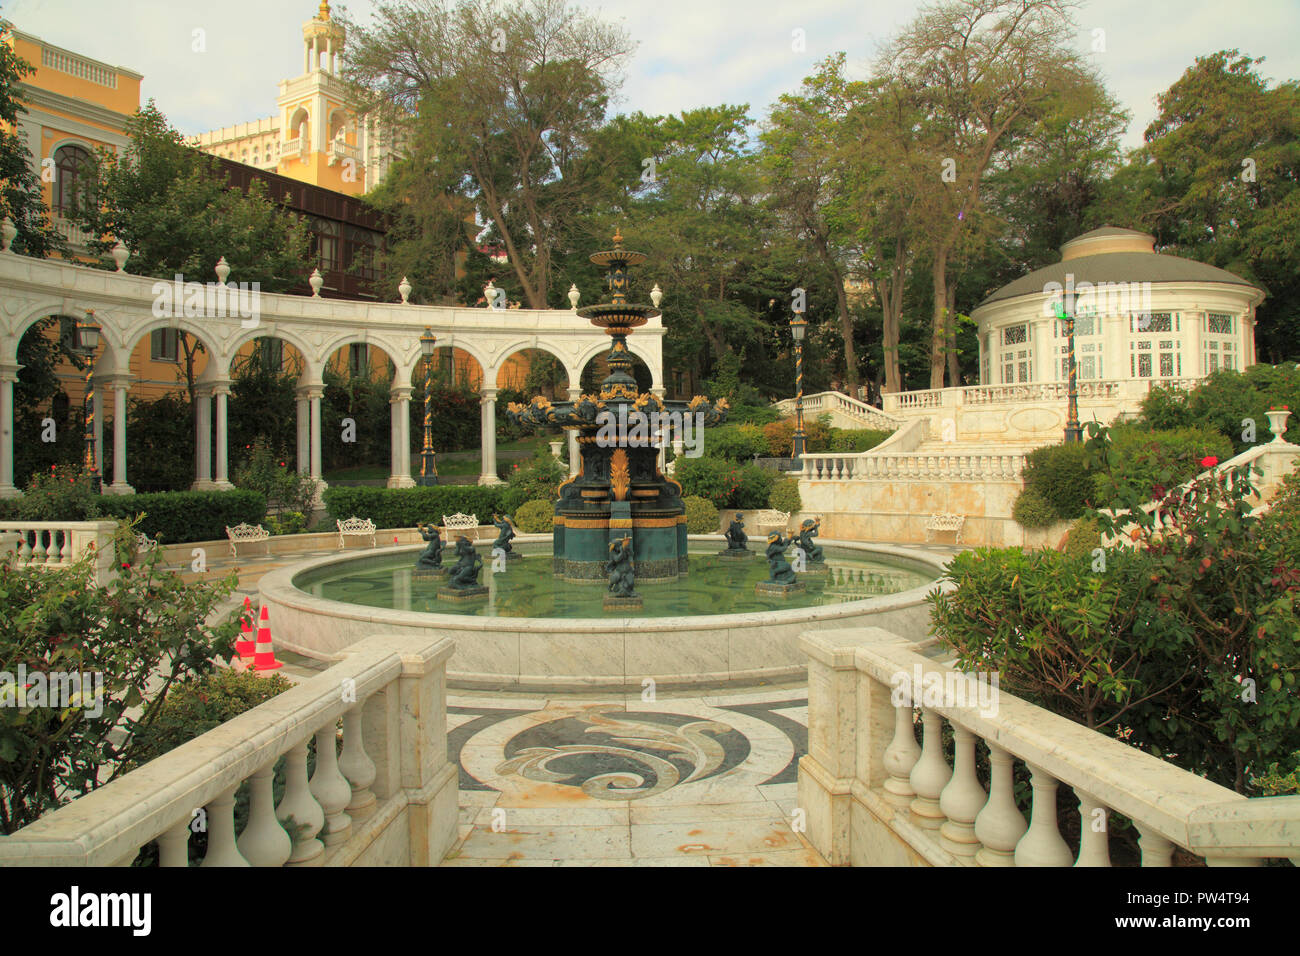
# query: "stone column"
1189,343
488,408
203,440
222,482
399,400
99,430
7,378
575,457
304,431
119,485
314,394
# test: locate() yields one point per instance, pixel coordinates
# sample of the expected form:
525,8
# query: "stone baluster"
299,812
931,773
1042,844
963,798
1000,825
173,845
1094,837
264,842
357,765
65,553
222,850
38,548
900,757
330,787
1156,850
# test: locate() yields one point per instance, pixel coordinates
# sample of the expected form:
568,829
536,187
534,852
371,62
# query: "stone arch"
391,351
493,374
313,365
648,358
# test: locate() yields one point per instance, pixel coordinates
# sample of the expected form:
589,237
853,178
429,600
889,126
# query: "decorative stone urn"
1277,422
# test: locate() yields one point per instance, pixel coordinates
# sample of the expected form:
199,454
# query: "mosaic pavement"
612,781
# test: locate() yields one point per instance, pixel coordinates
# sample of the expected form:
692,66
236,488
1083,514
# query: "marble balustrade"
58,544
875,793
389,797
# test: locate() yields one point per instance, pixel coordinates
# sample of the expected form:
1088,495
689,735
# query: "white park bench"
943,521
357,528
244,533
768,518
464,523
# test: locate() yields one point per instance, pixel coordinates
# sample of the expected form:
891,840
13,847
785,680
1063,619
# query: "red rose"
1209,461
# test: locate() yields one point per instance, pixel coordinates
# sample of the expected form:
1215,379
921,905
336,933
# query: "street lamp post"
428,466
1073,430
87,343
798,326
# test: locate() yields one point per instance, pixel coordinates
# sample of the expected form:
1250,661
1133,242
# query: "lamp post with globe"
428,464
87,343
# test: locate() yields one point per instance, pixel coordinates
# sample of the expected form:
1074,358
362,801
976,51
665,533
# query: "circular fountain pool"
534,631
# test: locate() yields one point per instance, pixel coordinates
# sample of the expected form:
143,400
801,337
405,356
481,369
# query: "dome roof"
1110,254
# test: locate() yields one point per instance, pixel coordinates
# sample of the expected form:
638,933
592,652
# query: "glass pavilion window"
1016,354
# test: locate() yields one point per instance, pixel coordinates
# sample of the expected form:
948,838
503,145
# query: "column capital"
488,393
221,388
400,393
309,391
204,389
116,380
575,392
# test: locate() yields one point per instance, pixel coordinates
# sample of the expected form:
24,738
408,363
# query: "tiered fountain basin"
534,631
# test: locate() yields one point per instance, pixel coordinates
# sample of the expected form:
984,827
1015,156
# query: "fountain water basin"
535,632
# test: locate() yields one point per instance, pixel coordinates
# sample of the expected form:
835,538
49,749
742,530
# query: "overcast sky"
691,53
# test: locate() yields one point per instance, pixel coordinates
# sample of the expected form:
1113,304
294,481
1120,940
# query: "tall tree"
20,185
501,102
977,71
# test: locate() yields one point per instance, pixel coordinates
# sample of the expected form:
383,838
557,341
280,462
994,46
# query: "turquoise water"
527,588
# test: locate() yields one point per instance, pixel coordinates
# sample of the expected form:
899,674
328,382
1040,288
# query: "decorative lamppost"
428,466
87,343
1073,431
798,326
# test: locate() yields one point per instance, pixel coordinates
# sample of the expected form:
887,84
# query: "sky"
690,53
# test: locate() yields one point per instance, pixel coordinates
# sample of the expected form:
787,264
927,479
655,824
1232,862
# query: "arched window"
71,178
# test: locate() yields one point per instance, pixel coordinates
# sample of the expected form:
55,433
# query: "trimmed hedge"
407,507
1032,510
1056,475
701,516
535,517
856,439
785,496
180,516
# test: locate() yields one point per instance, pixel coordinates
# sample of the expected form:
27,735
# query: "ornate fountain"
619,491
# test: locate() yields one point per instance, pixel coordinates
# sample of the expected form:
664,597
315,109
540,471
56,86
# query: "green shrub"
280,484
709,478
61,494
785,496
195,706
737,443
290,522
1142,461
1225,401
1032,510
1084,537
179,516
1058,475
856,439
754,488
752,414
701,516
407,507
537,479
780,436
535,517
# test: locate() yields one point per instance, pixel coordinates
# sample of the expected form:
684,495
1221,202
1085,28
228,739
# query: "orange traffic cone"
244,647
264,655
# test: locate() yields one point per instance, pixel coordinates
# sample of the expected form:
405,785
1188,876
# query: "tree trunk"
954,366
891,304
939,323
846,332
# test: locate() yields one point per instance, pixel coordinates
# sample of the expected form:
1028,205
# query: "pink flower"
1209,461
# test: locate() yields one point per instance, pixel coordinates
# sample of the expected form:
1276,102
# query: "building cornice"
36,96
30,38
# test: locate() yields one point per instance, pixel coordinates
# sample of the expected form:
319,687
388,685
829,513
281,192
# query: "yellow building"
316,136
75,105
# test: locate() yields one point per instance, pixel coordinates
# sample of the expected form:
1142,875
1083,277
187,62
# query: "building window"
1015,335
163,346
327,244
358,358
1218,323
1153,322
71,181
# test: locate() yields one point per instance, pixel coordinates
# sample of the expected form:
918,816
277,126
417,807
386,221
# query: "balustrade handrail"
110,824
1161,798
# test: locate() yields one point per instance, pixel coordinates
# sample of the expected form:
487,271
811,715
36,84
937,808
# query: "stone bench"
462,523
247,534
357,528
943,521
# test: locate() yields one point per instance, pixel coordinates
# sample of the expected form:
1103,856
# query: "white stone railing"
342,150
72,233
1121,390
58,544
858,411
389,798
79,67
921,466
874,796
